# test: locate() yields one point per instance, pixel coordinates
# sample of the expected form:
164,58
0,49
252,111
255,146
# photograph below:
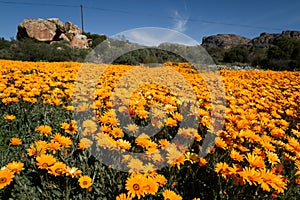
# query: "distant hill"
264,40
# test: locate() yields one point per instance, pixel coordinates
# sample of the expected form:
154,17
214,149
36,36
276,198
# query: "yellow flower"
57,169
38,148
191,157
15,167
116,132
250,175
255,161
72,171
9,118
45,161
64,141
123,196
6,177
15,142
84,143
44,130
132,128
175,157
202,162
220,143
223,168
123,144
160,179
169,194
85,182
69,127
151,186
236,155
53,146
135,185
273,158
170,122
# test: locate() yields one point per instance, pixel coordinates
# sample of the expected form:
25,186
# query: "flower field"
61,140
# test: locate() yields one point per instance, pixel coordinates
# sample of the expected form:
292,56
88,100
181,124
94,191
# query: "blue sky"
195,18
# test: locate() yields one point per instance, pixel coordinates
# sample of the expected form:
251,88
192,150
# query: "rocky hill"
52,30
224,41
264,40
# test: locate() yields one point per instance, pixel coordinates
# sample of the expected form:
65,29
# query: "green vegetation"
30,50
284,54
147,56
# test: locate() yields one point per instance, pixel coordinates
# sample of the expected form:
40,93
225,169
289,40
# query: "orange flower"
45,161
170,122
84,143
64,141
202,162
9,118
273,158
123,144
116,132
85,182
15,167
255,161
72,171
132,128
250,175
135,165
175,157
6,177
236,155
123,196
222,168
135,185
220,143
69,127
38,148
15,142
151,186
160,179
53,146
277,132
57,169
44,130
169,194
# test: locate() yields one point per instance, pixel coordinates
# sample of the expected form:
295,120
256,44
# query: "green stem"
67,197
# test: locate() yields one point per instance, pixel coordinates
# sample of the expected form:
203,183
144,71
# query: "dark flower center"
45,165
58,170
136,187
3,180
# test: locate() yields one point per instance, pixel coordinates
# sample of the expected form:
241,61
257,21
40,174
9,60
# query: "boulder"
39,29
224,41
52,30
64,37
72,28
80,41
59,24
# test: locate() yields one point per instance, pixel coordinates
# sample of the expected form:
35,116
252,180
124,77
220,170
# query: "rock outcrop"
224,41
265,40
52,30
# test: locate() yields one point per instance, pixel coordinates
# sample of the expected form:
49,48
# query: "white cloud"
179,22
154,36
